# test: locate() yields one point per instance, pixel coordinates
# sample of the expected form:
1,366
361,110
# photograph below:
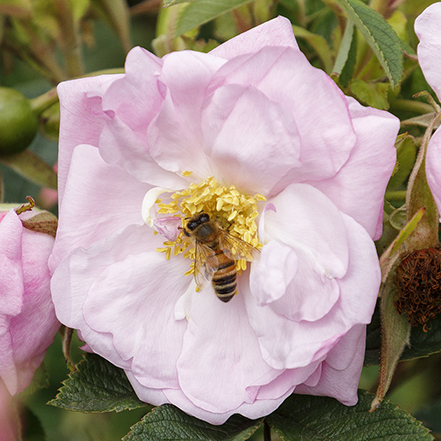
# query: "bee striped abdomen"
224,280
216,255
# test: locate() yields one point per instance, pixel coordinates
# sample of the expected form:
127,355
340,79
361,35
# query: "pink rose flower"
253,135
428,30
27,318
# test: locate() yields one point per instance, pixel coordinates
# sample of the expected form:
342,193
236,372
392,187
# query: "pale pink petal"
8,370
135,97
81,119
34,329
156,397
324,124
427,28
135,285
175,137
433,167
288,278
120,145
220,356
307,220
27,319
247,135
289,344
359,186
273,273
100,199
11,266
252,410
310,295
132,102
340,380
276,32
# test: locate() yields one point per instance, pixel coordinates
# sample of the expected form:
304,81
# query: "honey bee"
216,252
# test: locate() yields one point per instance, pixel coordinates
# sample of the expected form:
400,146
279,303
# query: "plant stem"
69,38
395,195
411,106
266,431
43,102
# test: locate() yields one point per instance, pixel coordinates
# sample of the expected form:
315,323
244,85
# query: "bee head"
197,220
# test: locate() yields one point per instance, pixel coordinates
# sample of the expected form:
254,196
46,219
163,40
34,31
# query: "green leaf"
32,167
347,71
424,343
169,423
202,11
372,94
430,415
304,418
379,35
97,386
116,13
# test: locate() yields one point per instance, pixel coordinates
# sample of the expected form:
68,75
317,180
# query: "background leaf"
318,43
169,423
32,167
202,11
167,3
304,418
350,58
371,93
379,35
97,386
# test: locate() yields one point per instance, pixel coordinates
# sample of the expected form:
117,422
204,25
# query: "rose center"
233,211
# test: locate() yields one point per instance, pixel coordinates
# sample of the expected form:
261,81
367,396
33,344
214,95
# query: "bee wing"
205,264
236,248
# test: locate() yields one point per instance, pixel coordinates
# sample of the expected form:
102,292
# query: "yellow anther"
232,215
234,211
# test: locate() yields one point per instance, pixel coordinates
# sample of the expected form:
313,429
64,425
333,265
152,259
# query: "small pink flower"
254,135
428,30
27,316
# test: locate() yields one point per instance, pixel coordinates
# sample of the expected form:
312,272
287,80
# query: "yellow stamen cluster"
234,211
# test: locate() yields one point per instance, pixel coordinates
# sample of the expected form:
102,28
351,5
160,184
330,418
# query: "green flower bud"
18,122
